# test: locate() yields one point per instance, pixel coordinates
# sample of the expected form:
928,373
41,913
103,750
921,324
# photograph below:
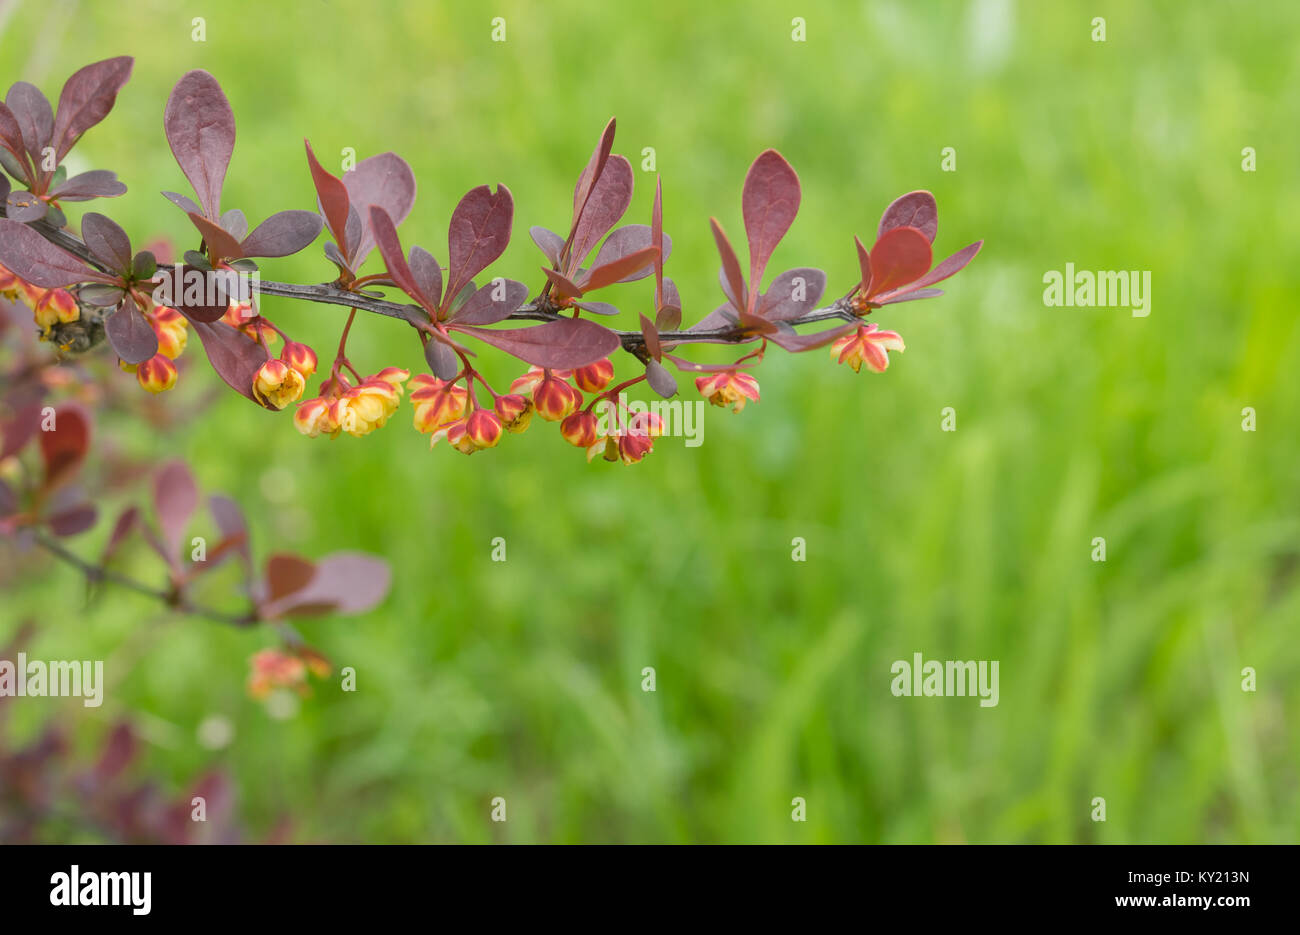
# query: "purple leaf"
915,209
333,195
795,292
609,201
283,234
234,223
107,241
427,275
651,335
64,446
864,264
221,246
629,239
210,305
125,525
442,360
795,343
200,128
344,582
185,204
733,280
97,183
592,172
549,242
73,520
493,303
770,201
235,356
563,344
390,247
907,295
598,308
132,337
234,527
34,116
948,267
175,498
11,137
25,207
385,181
86,99
565,288
620,270
479,233
668,316
660,380
899,258
30,256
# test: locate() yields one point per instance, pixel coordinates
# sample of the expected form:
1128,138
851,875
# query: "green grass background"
522,679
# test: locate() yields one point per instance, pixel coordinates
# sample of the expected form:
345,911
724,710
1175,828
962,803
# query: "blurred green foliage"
522,679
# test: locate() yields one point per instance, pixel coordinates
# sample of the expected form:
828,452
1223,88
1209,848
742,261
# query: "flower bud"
515,412
594,377
276,384
528,382
483,428
581,429
172,330
157,374
300,357
555,399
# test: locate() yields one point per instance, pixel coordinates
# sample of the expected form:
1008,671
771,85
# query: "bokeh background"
522,679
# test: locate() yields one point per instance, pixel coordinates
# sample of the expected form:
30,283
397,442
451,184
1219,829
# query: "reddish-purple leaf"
692,367
287,574
948,267
131,336
651,335
386,181
221,246
900,257
549,242
657,240
629,239
770,201
29,256
906,295
564,287
732,276
86,99
621,270
11,136
478,235
344,582
493,303
282,234
864,264
390,248
660,380
333,195
25,207
18,429
427,275
107,241
74,520
206,304
126,523
200,128
795,292
592,172
235,356
609,201
65,444
175,497
563,344
97,183
442,360
181,201
230,520
35,118
915,209
234,223
668,316
119,750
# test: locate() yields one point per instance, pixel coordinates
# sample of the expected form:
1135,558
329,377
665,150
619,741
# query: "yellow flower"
277,384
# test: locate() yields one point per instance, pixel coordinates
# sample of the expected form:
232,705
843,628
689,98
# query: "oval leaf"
283,234
479,233
563,344
132,338
770,202
200,128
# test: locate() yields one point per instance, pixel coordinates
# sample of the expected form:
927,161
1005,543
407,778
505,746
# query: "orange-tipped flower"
436,402
315,417
10,285
483,428
555,399
515,412
728,388
581,429
172,330
638,437
867,345
594,377
51,306
157,374
277,384
528,382
300,357
273,669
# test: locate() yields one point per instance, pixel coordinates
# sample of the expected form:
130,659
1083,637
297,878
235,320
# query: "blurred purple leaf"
175,497
235,356
97,183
